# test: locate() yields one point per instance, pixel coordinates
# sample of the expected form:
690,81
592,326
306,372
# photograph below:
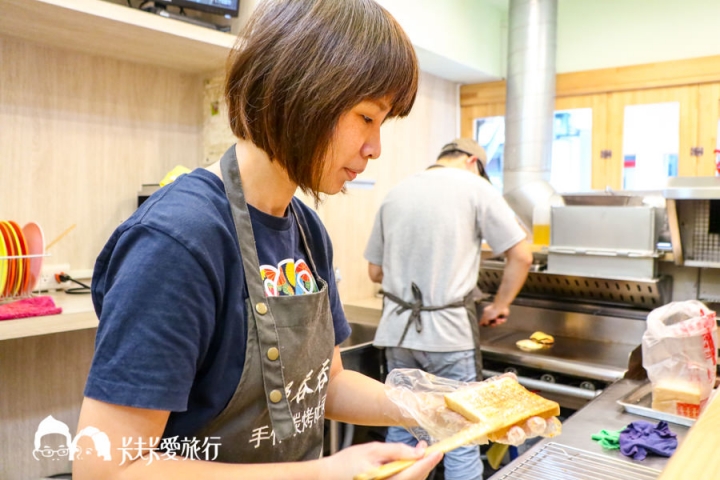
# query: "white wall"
596,34
460,40
465,40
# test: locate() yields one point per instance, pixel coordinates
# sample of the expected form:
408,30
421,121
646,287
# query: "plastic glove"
533,427
420,397
352,461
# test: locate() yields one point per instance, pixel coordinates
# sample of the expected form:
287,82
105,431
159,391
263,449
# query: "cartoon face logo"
90,442
52,440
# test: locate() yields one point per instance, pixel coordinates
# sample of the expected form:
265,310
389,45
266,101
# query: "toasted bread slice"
500,405
494,406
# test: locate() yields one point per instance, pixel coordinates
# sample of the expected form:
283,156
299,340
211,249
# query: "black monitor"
217,7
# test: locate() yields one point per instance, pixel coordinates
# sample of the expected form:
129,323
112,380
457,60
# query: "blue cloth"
462,463
169,290
639,438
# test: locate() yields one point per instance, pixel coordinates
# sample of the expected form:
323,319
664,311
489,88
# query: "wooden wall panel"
80,134
690,71
40,376
408,146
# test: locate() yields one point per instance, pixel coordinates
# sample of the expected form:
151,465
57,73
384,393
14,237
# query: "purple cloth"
641,437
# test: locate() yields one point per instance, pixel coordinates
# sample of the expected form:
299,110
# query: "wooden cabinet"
95,100
692,86
708,129
600,168
106,29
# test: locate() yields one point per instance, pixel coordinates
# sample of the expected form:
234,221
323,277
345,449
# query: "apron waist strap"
415,307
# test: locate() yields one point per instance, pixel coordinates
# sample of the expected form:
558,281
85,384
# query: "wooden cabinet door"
470,114
683,99
708,127
601,168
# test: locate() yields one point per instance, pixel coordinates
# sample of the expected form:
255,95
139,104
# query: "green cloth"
609,439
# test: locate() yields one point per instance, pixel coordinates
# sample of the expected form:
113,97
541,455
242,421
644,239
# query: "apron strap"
415,307
259,311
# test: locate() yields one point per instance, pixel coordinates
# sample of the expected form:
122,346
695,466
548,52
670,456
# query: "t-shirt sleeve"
499,226
157,315
374,248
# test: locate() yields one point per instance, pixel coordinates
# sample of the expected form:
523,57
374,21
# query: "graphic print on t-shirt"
290,277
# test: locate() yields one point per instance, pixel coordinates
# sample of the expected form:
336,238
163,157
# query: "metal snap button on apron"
261,308
273,353
275,396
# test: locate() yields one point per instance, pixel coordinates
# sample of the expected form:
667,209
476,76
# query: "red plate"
36,246
11,251
24,279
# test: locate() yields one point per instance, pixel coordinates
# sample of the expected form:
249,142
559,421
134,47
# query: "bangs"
391,67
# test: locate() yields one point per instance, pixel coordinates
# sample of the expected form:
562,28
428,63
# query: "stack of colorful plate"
21,254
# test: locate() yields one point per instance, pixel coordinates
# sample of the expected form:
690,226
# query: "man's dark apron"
277,411
416,306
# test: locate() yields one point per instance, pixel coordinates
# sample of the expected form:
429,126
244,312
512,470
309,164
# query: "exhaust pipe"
530,106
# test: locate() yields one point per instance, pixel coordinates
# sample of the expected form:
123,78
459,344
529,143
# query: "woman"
219,316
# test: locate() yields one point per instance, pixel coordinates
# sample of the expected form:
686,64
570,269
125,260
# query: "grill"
559,462
647,294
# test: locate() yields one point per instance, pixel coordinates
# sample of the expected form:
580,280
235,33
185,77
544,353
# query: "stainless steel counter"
601,413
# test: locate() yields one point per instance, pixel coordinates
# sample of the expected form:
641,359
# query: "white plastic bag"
679,350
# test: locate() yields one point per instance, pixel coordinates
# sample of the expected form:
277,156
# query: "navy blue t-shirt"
169,290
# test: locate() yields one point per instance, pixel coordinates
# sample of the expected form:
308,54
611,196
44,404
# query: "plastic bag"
420,397
679,349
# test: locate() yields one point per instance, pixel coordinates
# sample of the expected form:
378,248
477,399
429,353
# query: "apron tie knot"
415,307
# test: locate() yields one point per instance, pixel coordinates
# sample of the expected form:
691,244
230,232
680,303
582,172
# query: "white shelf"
116,31
78,314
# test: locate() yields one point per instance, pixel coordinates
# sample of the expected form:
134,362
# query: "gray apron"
278,409
416,306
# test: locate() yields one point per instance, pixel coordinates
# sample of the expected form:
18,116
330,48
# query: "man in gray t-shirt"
425,250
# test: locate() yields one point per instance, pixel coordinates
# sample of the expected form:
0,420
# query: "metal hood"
530,106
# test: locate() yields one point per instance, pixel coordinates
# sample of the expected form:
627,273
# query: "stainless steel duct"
530,103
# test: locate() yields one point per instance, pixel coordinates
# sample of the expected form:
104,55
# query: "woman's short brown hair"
300,64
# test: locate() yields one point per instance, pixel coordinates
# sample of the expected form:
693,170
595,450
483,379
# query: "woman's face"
355,140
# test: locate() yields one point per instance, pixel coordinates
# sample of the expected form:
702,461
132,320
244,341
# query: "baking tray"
639,401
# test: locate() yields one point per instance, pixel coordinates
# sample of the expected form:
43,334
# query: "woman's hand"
360,458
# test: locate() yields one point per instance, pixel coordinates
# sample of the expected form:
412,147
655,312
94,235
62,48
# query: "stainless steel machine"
612,258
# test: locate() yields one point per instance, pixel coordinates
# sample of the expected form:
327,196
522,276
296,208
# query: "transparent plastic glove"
420,397
533,427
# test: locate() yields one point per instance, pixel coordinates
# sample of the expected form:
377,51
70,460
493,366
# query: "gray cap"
468,147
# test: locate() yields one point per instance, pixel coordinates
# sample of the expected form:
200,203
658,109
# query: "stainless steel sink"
358,353
361,334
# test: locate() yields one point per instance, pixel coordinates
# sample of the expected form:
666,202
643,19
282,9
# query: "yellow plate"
19,263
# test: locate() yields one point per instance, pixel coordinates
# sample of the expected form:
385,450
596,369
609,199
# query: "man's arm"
517,264
375,272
